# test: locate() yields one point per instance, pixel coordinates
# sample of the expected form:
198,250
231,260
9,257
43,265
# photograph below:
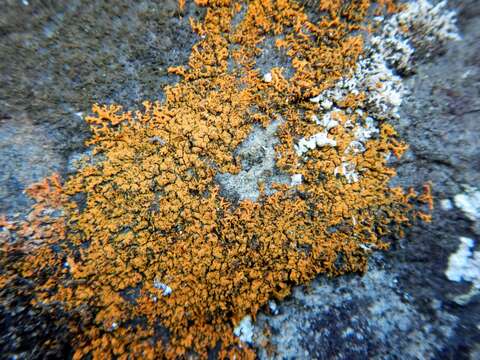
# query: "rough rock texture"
257,156
58,58
357,317
27,154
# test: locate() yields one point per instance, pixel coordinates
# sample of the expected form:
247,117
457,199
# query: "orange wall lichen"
154,219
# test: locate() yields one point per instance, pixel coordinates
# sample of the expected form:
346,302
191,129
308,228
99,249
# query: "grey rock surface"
27,154
257,158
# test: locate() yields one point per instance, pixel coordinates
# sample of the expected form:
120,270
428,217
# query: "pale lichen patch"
469,203
464,265
318,140
244,330
420,28
446,204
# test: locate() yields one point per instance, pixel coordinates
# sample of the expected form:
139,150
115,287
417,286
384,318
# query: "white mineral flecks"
469,203
296,179
166,290
273,307
355,147
427,23
244,330
348,170
327,104
316,99
318,140
382,88
464,265
267,77
421,27
369,130
446,204
427,27
327,121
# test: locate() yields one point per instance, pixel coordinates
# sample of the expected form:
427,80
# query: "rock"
406,306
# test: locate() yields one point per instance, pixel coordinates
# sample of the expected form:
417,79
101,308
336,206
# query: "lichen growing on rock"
155,262
464,265
417,32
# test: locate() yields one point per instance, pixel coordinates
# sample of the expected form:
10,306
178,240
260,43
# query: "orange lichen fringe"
27,245
181,5
41,226
158,264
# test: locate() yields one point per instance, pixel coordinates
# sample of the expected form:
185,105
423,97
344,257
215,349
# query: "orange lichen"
156,250
181,5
